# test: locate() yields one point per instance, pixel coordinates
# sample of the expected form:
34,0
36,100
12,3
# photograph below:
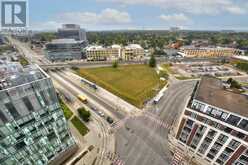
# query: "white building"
115,52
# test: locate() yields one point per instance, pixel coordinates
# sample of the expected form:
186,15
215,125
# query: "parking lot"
199,69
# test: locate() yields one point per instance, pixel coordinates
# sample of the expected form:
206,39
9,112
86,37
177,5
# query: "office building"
132,52
72,31
64,49
213,128
99,53
115,52
191,51
33,129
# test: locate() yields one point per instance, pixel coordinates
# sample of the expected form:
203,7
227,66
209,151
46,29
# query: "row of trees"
157,39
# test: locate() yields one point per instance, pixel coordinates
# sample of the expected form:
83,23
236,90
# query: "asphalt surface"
142,141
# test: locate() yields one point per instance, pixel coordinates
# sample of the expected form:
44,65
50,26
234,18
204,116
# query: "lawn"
67,112
83,130
133,83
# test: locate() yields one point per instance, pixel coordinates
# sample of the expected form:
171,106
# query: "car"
110,120
100,113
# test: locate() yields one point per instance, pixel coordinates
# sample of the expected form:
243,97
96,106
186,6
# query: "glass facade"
33,129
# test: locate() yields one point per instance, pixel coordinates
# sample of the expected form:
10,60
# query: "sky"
140,14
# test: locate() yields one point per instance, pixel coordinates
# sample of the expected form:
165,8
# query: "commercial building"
72,31
99,53
130,52
213,128
64,49
191,51
33,129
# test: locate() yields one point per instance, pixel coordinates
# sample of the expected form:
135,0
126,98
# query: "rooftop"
206,48
211,91
64,41
13,74
133,46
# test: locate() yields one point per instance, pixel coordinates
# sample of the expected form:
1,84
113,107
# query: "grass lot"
167,67
133,83
67,112
23,61
83,130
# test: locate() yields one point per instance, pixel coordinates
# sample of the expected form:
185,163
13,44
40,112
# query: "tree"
84,114
234,83
152,62
115,64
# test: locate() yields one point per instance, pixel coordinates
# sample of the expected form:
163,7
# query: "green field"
83,130
133,83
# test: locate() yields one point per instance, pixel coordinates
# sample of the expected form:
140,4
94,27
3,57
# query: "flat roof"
212,92
64,41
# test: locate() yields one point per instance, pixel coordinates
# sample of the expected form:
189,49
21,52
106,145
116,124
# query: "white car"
101,113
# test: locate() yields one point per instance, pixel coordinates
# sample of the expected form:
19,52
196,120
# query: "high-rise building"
72,31
33,129
213,128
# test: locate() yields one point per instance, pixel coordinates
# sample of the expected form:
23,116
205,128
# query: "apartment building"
189,51
213,128
33,129
115,52
64,50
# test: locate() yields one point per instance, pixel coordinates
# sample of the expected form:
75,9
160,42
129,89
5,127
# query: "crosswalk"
115,159
119,124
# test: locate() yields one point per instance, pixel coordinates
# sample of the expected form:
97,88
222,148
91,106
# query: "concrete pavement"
142,141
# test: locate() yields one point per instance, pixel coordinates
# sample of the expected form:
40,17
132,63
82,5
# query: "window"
233,120
234,144
12,110
222,138
28,104
243,125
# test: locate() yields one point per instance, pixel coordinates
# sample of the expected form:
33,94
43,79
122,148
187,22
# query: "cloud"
175,18
106,17
208,7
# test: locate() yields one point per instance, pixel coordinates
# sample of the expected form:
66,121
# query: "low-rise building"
115,52
132,52
33,129
191,51
99,53
64,49
213,128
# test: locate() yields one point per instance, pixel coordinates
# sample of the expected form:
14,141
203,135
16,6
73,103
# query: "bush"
84,114
234,83
74,68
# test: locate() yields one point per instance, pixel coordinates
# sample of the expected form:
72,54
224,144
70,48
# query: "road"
88,64
142,141
98,135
